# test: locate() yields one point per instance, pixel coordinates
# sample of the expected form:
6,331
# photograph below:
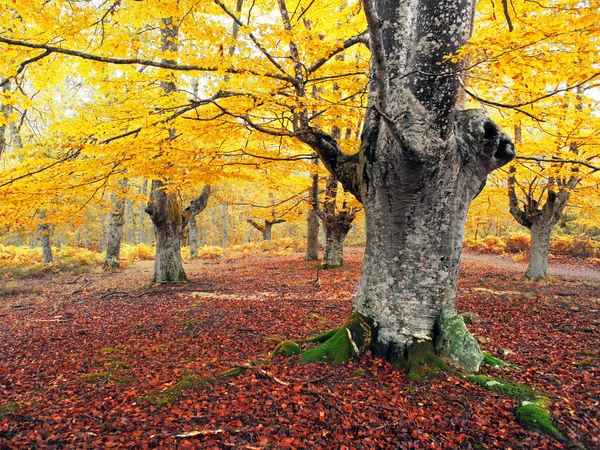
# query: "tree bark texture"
166,215
265,228
115,229
420,165
336,222
193,238
312,226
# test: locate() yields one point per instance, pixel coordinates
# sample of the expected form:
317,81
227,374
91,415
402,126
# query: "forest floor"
103,360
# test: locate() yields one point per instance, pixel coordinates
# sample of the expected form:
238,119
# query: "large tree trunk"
167,217
539,249
335,234
420,165
115,229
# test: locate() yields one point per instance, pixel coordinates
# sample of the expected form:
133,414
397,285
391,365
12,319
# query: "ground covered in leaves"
103,360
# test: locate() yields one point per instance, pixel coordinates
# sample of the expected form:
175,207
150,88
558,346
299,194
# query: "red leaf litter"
83,368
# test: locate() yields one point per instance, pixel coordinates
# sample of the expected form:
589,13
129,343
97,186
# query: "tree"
554,116
420,164
169,221
265,228
337,223
420,161
115,228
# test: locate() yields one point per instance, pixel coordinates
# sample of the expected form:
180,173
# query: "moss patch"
457,346
532,416
321,337
287,348
173,394
517,391
533,413
98,377
491,361
9,408
336,349
420,361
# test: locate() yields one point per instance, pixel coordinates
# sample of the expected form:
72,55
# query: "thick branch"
362,38
343,166
258,226
196,206
519,215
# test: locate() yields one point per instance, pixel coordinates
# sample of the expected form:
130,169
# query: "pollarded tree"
169,222
420,164
337,222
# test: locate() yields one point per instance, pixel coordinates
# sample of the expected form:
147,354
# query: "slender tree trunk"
224,225
167,216
115,229
267,231
45,233
193,238
312,231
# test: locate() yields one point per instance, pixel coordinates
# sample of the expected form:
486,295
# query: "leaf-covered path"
89,364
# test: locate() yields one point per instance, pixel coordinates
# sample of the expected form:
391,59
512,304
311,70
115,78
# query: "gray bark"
193,238
45,231
539,249
166,215
114,235
420,165
312,229
265,228
336,223
169,221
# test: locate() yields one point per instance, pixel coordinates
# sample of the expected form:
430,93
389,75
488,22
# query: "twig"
74,281
195,433
123,294
264,373
77,291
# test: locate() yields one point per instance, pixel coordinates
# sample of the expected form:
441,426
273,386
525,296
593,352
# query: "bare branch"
557,160
251,36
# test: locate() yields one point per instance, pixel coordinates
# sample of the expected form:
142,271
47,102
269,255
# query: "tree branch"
556,160
343,166
137,61
362,38
196,206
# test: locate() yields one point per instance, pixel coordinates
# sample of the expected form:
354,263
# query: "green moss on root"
489,360
420,361
336,349
287,348
534,417
341,344
321,337
516,391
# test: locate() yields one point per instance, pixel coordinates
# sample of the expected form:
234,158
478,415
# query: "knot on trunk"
482,141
